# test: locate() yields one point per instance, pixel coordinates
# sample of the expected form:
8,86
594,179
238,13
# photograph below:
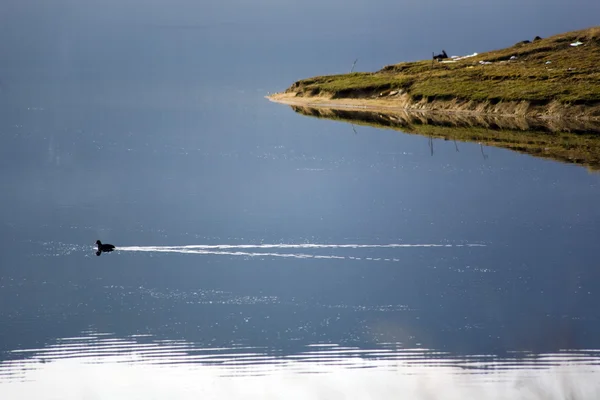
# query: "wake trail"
238,250
289,246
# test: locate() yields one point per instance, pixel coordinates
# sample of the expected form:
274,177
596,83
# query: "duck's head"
98,242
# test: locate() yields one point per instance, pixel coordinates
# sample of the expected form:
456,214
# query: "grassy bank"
544,78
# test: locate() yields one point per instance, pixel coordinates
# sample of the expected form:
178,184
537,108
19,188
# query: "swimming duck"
103,247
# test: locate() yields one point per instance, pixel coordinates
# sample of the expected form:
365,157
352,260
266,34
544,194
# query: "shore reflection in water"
145,367
568,141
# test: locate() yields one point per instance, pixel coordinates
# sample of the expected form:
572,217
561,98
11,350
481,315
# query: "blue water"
255,245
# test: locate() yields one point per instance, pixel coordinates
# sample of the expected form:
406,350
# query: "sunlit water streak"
142,366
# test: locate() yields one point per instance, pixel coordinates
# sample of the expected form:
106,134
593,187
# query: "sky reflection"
142,366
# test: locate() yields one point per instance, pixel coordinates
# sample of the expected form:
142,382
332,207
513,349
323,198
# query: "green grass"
572,77
358,84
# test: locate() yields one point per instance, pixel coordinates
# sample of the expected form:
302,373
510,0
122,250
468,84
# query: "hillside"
554,77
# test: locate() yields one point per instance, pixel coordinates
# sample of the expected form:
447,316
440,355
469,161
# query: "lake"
265,254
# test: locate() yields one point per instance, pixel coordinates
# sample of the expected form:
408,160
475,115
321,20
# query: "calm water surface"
264,254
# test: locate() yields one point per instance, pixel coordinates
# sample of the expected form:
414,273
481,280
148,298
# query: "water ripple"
142,366
144,349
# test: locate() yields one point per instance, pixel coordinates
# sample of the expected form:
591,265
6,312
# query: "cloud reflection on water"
141,366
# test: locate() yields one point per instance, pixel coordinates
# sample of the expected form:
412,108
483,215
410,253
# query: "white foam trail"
228,249
227,253
291,246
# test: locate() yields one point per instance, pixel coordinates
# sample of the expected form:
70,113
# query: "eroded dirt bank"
396,102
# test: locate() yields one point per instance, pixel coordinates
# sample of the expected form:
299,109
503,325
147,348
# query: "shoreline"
403,103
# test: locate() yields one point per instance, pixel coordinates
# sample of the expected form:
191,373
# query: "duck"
104,247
